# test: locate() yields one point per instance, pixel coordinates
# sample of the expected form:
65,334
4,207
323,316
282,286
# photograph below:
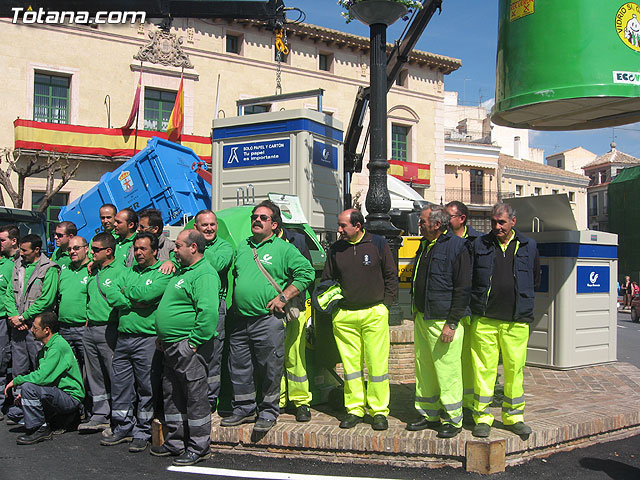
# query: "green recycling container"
565,65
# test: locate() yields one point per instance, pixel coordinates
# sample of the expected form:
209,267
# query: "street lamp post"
378,14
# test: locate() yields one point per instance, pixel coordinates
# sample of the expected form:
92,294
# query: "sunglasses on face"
59,235
98,249
262,217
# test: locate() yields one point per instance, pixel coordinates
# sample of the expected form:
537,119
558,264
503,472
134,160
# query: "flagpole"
135,141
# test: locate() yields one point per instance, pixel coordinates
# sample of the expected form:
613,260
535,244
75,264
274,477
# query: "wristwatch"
283,299
21,318
452,326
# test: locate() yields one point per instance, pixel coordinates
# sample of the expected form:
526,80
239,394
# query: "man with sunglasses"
150,221
33,289
257,333
64,232
72,297
458,215
100,334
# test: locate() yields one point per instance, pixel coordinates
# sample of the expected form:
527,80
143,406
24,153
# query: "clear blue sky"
468,30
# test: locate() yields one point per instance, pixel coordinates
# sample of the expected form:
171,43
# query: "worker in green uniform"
506,271
219,253
458,216
186,321
72,297
9,235
33,289
263,262
125,228
64,232
440,297
54,388
100,334
136,297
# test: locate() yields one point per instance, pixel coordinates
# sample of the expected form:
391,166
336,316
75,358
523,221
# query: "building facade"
65,76
600,172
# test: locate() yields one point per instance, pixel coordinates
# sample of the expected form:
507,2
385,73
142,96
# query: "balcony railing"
465,195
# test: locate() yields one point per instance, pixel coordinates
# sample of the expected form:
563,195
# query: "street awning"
416,173
86,141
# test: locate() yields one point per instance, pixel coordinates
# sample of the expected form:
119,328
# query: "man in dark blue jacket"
441,288
459,214
506,270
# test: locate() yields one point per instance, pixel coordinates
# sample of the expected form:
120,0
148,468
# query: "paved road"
628,339
75,456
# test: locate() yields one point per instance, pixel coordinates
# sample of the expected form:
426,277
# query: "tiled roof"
613,156
527,165
316,33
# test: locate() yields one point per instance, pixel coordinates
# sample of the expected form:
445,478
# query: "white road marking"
621,326
224,472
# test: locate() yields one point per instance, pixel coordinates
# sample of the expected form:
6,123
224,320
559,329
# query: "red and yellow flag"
176,120
136,105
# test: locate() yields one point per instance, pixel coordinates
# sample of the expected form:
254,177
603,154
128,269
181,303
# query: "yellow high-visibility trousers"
364,335
295,383
467,367
489,337
438,372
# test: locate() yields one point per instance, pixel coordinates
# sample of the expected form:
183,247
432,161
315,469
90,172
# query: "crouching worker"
54,389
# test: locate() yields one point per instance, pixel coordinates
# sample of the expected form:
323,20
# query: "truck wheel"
634,315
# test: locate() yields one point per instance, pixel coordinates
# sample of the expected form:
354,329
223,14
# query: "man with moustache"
125,229
257,334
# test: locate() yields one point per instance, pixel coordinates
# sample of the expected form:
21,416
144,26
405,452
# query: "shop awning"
87,141
416,173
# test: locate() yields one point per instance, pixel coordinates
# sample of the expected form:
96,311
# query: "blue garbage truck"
165,176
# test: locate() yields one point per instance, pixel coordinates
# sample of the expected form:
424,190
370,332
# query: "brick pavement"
563,407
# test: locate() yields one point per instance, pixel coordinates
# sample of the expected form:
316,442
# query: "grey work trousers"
5,356
131,385
38,400
215,359
24,350
256,344
73,335
99,342
187,413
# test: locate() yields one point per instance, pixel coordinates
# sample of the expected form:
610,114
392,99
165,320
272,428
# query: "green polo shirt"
189,306
137,296
61,257
99,312
72,293
122,248
219,253
284,262
57,367
6,271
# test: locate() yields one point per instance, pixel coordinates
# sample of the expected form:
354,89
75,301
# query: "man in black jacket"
459,214
441,288
506,270
364,266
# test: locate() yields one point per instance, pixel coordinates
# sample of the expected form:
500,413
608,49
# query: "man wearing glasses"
100,334
441,289
33,289
150,221
258,330
64,232
72,297
458,215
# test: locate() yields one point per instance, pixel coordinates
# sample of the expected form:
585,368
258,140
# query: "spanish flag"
176,120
